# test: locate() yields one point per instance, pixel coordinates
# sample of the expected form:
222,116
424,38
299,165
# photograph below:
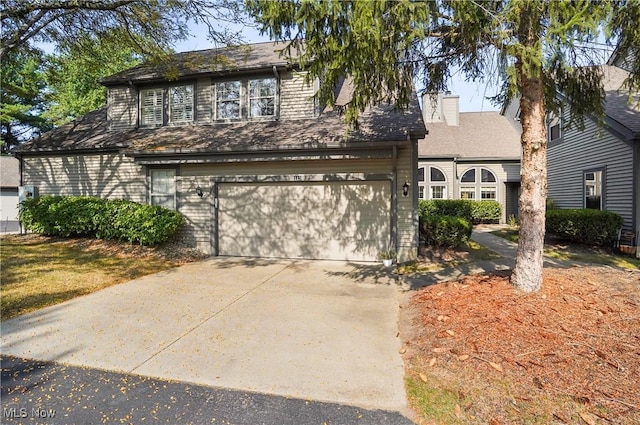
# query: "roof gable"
221,61
617,105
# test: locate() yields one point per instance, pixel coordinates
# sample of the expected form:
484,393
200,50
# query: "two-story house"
469,155
235,141
599,167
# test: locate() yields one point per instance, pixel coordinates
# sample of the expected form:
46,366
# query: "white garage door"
325,220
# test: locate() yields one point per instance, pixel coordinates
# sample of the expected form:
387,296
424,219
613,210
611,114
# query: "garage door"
324,220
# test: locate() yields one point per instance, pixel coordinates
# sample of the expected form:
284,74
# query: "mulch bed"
578,338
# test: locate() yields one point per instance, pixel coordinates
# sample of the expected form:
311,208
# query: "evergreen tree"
72,75
538,48
149,27
21,100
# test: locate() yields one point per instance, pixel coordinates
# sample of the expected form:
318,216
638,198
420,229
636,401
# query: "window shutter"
151,107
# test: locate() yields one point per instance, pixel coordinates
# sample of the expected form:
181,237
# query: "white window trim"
153,195
598,183
158,92
239,99
443,185
478,184
250,97
186,105
245,100
552,122
435,183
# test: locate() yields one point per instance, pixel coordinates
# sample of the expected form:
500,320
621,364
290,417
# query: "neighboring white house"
469,155
9,182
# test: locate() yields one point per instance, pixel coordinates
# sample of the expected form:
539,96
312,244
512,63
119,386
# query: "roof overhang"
359,150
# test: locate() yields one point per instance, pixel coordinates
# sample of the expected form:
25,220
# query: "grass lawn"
38,272
577,253
432,259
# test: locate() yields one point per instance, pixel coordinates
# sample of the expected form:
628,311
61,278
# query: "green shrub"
588,226
486,211
452,207
445,230
101,218
35,215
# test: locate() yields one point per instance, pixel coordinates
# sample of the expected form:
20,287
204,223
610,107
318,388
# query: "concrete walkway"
482,235
317,330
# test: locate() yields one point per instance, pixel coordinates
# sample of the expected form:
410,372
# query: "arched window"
432,183
437,184
471,188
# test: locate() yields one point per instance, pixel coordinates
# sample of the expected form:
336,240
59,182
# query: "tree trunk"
527,274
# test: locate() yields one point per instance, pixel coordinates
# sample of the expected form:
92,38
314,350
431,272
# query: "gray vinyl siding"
122,108
592,148
107,175
296,96
204,100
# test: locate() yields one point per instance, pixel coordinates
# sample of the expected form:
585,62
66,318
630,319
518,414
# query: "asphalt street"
52,393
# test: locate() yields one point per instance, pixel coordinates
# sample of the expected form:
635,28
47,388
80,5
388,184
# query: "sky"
472,94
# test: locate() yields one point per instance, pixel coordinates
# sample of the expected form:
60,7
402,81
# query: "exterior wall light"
405,189
199,191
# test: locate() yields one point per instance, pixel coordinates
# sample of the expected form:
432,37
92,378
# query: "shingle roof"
206,62
617,106
329,129
487,135
90,132
9,172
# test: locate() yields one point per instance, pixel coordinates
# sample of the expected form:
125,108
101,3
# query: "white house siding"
200,212
504,172
592,148
107,175
296,96
122,108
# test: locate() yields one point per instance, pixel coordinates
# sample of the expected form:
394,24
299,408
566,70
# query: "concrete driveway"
316,330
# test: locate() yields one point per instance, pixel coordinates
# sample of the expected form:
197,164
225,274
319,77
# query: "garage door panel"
331,220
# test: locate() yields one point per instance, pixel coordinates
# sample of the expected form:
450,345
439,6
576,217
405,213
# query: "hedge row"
445,230
587,226
474,211
101,218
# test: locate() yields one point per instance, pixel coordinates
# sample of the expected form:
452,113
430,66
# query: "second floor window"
173,105
262,95
228,100
181,104
151,102
242,99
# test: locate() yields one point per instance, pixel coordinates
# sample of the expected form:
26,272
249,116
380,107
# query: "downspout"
455,178
394,202
277,105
